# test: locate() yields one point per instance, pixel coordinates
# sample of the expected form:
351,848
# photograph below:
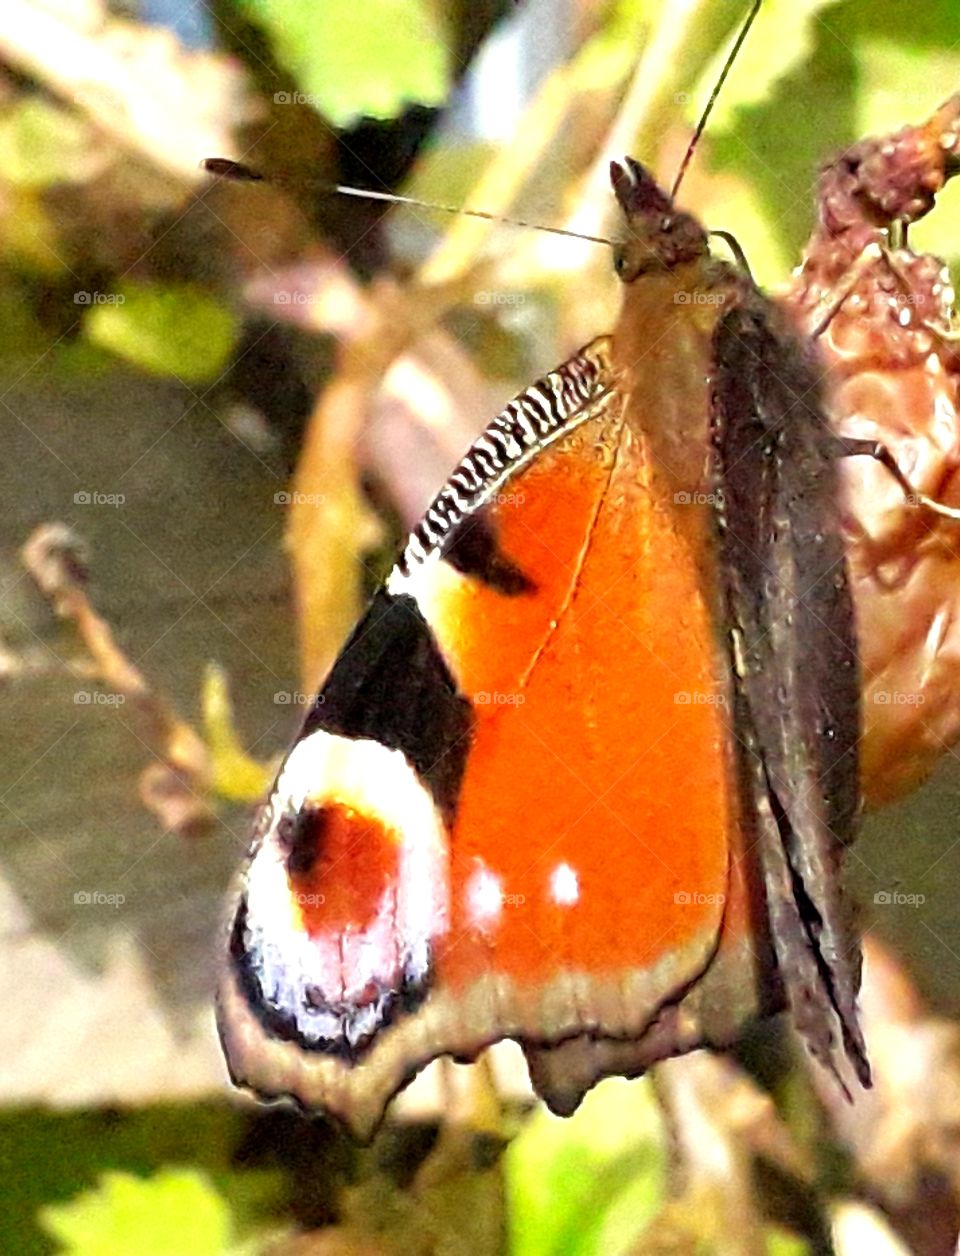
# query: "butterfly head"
659,236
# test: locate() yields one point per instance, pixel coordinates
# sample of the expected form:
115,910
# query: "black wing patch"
795,659
472,548
390,683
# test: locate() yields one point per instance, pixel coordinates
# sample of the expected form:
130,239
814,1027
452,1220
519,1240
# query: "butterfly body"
580,776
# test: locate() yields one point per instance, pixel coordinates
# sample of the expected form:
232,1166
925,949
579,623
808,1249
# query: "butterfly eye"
625,266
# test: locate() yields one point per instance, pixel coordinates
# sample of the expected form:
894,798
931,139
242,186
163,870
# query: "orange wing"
510,813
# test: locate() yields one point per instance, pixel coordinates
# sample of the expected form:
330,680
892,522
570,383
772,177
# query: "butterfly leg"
857,270
852,447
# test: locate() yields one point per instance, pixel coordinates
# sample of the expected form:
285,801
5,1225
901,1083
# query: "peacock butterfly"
584,773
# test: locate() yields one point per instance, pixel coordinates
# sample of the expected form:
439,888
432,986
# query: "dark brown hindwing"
794,656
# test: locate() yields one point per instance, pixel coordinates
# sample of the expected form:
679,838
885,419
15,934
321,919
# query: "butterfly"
583,774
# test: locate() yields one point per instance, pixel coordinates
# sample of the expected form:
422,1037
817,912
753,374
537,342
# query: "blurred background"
223,404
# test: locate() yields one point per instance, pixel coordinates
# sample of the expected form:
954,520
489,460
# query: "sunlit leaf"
779,1243
42,144
351,60
168,330
782,37
611,53
175,1211
587,1185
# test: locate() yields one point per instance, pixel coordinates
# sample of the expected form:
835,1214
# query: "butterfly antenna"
225,168
727,66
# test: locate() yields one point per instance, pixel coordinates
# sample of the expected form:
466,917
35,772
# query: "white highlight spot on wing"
564,885
484,897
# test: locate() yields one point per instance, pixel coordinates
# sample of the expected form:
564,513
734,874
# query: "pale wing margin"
546,410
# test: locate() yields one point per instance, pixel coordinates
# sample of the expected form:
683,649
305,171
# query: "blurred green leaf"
166,329
51,1160
42,144
905,66
786,105
351,60
782,37
589,1184
779,1243
612,52
175,1211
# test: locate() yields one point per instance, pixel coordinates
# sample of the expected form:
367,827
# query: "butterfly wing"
509,811
779,570
797,676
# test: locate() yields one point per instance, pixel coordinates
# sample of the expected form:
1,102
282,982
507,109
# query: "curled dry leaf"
883,321
171,795
330,526
176,787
